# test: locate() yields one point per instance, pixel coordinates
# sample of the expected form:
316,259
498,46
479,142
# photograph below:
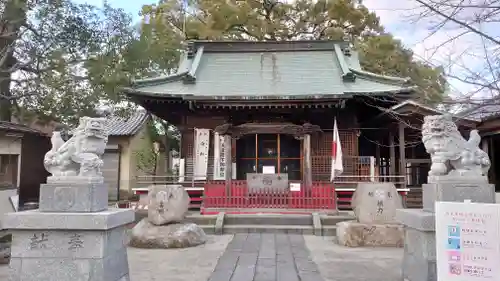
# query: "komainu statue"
450,153
81,154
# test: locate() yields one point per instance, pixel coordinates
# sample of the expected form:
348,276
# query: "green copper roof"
269,70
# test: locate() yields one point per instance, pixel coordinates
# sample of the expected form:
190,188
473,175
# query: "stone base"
176,235
74,197
457,191
69,246
110,268
355,234
419,256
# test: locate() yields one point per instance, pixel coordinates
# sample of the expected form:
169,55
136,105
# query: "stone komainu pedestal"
73,237
419,259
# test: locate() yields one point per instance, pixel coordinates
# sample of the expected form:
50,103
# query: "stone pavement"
338,263
265,255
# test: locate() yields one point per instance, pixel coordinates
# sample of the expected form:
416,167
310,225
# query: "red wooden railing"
319,196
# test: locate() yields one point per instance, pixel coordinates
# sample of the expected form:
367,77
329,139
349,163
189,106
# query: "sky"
399,18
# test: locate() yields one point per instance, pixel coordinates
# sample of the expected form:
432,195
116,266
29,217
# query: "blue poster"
454,230
453,243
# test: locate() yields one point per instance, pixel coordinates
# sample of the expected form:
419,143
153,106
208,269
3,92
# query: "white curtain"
202,144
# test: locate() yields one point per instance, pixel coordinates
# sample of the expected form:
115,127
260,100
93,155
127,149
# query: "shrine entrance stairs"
221,223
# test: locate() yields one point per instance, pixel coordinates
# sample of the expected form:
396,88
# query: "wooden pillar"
377,161
402,156
491,153
306,152
484,145
392,156
228,162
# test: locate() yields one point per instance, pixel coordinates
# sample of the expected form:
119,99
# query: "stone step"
209,229
333,220
329,230
201,219
292,229
267,219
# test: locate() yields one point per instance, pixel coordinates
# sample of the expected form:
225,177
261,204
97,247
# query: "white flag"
219,157
337,167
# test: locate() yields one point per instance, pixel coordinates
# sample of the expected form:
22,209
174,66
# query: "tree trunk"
11,21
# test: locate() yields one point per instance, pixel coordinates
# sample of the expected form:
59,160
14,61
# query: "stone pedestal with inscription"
73,236
375,206
67,245
419,259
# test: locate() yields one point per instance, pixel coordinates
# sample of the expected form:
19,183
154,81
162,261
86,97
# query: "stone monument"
164,228
375,207
73,236
458,172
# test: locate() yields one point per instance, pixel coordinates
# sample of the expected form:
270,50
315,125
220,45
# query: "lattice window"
321,146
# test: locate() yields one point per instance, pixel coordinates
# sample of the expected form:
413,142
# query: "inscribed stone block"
74,197
114,267
67,243
376,202
268,182
479,192
167,204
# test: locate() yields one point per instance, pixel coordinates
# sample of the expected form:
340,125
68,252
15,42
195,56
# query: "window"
253,152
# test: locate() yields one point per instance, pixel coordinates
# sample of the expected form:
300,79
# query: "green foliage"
291,20
147,156
147,159
384,55
70,57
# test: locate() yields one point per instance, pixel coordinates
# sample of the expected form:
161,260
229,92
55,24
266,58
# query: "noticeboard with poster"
467,241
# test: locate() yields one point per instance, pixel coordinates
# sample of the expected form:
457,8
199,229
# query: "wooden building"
488,118
21,160
276,102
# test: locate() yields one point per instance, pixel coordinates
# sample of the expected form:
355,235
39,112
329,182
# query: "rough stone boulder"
167,204
175,235
355,234
375,206
376,203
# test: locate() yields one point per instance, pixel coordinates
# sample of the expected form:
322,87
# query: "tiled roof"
119,126
483,112
18,128
269,70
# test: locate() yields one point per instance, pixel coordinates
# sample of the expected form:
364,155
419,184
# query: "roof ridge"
394,79
347,74
159,80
